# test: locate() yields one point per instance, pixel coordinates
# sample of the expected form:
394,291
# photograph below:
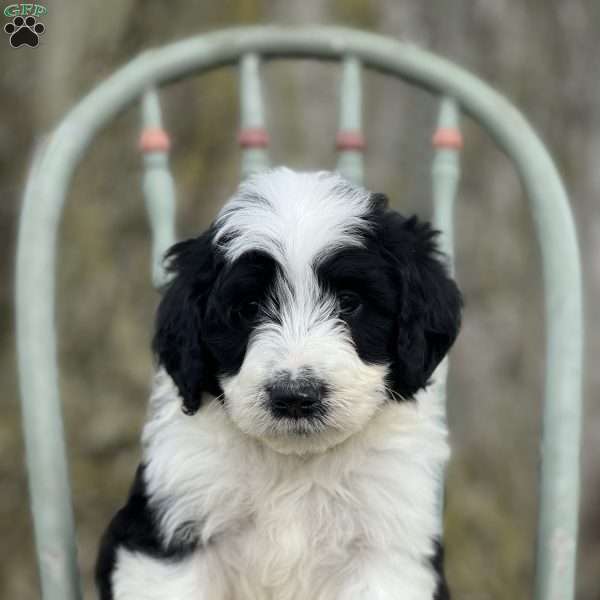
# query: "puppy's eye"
349,303
248,310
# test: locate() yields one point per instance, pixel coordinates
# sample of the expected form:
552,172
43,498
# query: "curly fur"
309,285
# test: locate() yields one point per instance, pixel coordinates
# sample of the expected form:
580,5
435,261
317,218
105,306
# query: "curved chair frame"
52,172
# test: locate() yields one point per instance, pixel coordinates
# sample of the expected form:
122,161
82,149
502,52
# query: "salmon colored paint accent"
350,140
154,139
447,137
255,137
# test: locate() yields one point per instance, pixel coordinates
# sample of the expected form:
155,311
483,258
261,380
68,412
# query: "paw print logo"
24,32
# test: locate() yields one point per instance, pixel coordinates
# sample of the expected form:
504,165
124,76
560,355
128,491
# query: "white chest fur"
357,521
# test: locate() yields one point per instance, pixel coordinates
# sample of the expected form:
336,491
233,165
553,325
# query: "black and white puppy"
295,335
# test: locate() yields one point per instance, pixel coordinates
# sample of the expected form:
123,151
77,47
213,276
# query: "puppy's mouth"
299,427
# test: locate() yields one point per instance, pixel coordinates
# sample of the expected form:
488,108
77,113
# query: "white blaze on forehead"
293,217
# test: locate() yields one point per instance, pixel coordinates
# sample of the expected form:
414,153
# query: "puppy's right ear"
178,339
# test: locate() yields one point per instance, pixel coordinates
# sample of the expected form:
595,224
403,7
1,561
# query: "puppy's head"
304,308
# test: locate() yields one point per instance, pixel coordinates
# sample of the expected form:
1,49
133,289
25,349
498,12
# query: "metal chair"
53,168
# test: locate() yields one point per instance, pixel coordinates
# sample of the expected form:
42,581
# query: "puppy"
285,456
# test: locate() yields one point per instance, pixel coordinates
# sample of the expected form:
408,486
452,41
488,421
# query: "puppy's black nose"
296,398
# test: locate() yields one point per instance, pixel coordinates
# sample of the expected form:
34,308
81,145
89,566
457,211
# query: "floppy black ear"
178,339
430,303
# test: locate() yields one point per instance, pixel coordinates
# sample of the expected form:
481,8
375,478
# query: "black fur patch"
430,305
441,591
409,314
207,314
178,339
235,306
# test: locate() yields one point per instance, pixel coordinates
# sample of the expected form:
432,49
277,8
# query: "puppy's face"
305,307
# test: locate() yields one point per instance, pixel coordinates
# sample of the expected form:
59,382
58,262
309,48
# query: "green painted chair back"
53,168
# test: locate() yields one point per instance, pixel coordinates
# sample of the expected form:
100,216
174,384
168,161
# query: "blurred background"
542,54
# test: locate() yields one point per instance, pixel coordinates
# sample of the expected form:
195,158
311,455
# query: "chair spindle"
350,141
253,137
445,174
158,185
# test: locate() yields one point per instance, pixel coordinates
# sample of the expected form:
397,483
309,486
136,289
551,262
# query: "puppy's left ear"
178,340
430,303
